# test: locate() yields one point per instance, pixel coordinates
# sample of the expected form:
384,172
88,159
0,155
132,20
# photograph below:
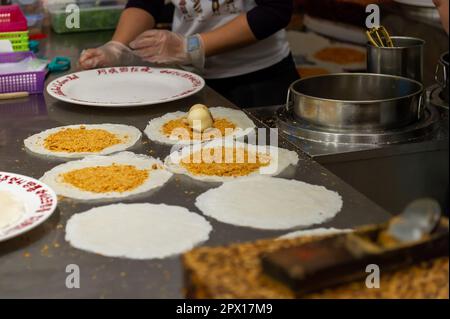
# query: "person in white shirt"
238,46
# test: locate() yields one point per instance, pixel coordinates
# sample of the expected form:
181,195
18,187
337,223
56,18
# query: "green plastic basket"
19,40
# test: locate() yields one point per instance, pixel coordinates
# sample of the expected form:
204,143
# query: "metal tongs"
380,37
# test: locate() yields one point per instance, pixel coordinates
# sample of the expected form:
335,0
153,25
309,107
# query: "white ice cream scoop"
199,118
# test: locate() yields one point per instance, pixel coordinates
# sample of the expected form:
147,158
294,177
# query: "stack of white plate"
304,46
336,30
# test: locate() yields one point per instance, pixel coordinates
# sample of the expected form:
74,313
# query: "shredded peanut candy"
227,162
219,124
80,140
105,179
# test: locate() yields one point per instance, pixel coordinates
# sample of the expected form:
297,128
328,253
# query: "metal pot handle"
438,72
421,107
289,102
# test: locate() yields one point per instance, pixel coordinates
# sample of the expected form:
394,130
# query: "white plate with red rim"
39,201
127,86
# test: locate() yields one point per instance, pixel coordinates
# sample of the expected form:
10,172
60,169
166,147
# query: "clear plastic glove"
164,47
112,53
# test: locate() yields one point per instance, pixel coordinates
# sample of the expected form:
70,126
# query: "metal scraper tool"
418,219
419,233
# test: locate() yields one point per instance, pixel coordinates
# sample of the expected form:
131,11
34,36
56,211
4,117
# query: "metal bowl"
356,101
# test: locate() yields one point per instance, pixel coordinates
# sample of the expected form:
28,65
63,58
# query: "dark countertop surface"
34,264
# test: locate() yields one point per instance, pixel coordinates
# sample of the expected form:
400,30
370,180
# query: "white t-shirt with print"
197,16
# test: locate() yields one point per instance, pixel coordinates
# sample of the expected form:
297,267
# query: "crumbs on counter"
45,251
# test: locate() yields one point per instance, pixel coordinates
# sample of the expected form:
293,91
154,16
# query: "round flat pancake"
137,231
244,125
347,49
129,135
155,179
315,232
270,203
11,209
280,159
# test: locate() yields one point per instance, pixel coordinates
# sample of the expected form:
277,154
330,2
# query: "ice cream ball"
199,118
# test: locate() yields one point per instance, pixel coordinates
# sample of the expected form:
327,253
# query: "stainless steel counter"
34,265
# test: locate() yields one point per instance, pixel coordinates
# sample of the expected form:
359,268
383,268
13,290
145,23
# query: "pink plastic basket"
31,82
12,19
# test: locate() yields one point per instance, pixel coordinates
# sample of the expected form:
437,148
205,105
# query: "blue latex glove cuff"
59,64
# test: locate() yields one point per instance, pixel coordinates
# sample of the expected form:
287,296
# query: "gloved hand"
165,47
112,53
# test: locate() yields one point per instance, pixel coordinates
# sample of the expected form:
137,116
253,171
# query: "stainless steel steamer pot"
404,59
356,101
